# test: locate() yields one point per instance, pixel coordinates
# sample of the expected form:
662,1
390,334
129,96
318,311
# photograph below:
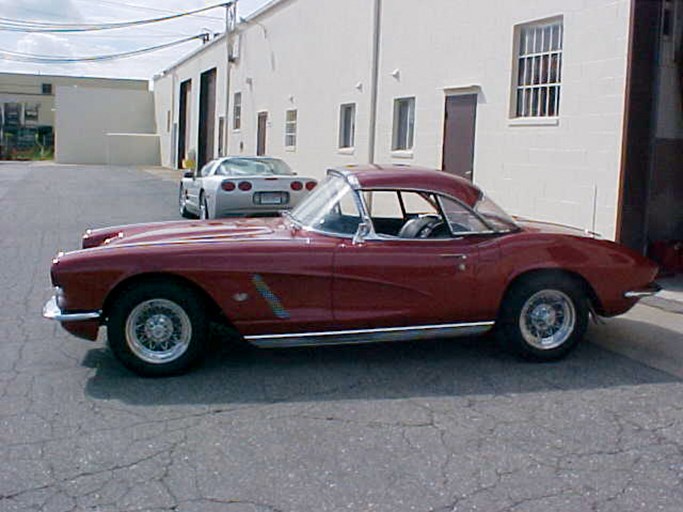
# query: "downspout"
230,6
174,140
376,37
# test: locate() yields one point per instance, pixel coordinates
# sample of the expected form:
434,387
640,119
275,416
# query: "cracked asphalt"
430,427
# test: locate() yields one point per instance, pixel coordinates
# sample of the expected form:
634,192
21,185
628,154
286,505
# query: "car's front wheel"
158,329
544,317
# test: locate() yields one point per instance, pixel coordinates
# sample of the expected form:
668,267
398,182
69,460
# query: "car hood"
187,231
535,226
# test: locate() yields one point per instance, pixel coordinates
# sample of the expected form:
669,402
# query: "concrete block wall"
85,116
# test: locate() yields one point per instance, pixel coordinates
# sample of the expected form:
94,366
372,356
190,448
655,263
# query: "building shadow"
240,374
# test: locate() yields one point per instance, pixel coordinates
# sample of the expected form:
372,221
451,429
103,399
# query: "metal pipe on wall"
376,38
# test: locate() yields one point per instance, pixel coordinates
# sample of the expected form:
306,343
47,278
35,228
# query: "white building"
568,111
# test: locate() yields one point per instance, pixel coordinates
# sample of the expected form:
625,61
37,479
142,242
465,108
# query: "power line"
150,9
13,25
51,59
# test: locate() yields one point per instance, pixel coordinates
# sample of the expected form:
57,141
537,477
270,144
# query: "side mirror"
188,174
362,232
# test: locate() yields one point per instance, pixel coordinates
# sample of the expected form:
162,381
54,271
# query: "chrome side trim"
51,311
357,336
648,291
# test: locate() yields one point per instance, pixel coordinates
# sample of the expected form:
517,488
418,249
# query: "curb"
671,306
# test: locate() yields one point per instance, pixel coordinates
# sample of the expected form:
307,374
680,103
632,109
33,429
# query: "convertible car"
372,254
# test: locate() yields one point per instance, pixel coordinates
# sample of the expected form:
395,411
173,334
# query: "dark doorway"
207,117
261,133
185,106
458,138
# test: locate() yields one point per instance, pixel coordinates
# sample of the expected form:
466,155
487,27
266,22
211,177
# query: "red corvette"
372,254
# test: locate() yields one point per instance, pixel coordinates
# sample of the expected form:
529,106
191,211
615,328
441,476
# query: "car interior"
403,214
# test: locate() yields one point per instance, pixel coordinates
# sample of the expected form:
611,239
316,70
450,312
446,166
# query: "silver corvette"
237,186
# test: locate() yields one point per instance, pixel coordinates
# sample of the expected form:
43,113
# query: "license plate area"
271,198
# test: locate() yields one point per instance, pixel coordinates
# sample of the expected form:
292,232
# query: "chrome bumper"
648,291
51,311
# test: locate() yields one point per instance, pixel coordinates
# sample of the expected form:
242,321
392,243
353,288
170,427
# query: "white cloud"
45,44
110,41
40,10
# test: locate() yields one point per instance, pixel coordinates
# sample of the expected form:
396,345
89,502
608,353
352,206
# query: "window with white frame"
347,125
539,69
237,111
290,129
404,124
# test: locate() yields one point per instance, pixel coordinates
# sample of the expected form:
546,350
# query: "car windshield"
254,167
494,214
331,207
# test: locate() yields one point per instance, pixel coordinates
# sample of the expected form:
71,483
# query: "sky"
110,41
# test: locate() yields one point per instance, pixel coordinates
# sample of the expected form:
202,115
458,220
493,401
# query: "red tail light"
244,186
228,186
296,185
310,185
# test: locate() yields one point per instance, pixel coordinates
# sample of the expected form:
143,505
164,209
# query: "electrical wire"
48,59
12,25
123,5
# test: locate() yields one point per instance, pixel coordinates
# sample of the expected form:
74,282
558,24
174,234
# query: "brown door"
207,116
261,133
458,141
183,119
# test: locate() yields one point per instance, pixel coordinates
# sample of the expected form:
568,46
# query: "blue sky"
112,41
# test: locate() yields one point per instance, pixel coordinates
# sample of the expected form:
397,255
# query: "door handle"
454,256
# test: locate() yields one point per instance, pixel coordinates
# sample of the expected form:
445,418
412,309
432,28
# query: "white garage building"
567,111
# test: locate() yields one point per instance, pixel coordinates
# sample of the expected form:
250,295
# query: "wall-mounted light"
359,86
396,73
249,80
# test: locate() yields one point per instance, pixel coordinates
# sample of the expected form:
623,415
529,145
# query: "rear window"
494,214
254,167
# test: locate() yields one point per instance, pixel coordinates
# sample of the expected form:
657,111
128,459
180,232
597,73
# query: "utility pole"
230,24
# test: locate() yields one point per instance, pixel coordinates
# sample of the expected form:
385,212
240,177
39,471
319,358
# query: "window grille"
237,111
290,129
539,70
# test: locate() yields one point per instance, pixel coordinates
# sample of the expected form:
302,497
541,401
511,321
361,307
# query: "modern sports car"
241,186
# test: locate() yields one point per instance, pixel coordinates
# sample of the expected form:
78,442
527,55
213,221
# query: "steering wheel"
431,228
420,227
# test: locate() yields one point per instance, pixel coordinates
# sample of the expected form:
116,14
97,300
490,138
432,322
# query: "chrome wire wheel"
547,319
158,331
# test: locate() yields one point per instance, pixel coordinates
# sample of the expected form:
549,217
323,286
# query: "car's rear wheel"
158,329
182,204
544,317
203,208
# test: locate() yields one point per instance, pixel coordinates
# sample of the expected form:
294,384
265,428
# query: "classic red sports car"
373,254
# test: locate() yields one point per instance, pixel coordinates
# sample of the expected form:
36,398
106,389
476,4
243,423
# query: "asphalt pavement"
425,426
